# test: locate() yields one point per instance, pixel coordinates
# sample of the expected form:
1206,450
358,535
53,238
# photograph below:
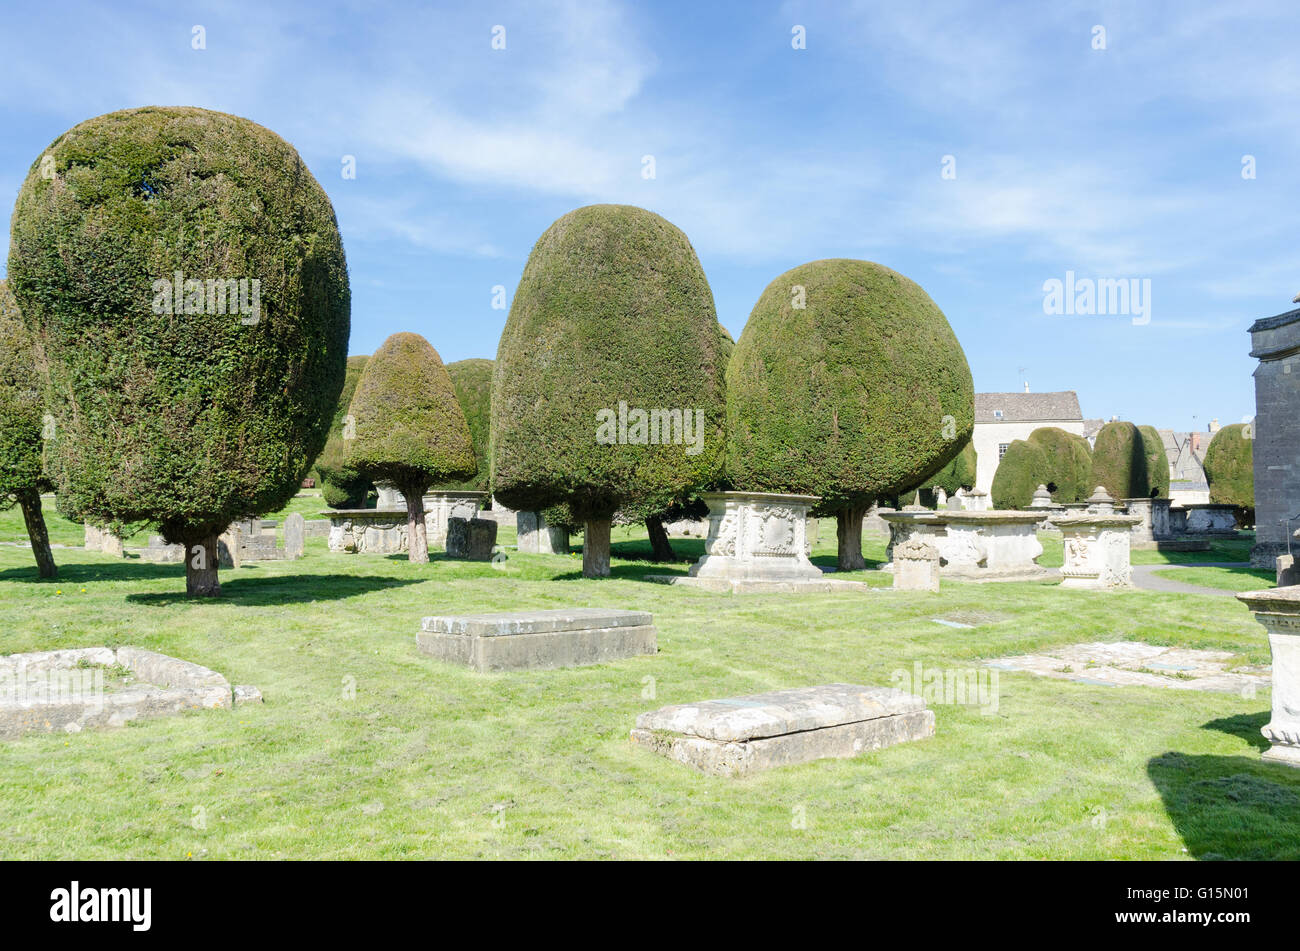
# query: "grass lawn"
1229,579
366,749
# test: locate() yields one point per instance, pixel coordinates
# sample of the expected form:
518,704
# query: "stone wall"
1275,342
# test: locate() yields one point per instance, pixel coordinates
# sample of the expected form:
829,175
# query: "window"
1002,449
997,414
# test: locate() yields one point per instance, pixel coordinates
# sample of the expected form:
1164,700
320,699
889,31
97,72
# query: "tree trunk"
595,548
848,533
201,568
417,536
660,548
30,502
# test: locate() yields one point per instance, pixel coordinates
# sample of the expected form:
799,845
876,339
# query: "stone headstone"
295,537
534,640
111,544
916,565
94,538
1287,572
390,500
940,497
744,734
471,539
537,537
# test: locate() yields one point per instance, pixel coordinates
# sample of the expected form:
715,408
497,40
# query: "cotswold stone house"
1275,342
1186,452
1002,418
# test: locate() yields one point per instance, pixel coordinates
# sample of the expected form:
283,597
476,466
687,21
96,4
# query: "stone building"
1186,454
1275,342
1002,418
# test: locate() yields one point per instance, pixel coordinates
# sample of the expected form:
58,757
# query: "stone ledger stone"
471,539
535,640
745,734
1278,610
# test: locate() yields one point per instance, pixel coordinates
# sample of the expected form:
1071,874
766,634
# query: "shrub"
1024,467
1068,475
849,384
1157,463
410,430
1119,462
959,473
1230,470
22,413
342,487
189,417
612,319
472,380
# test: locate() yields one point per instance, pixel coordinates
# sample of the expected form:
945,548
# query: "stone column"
756,536
1278,610
1097,550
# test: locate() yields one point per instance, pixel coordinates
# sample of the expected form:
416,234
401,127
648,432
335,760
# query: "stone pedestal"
536,537
1211,519
471,539
976,500
372,531
757,536
1097,550
440,507
916,566
1278,610
745,734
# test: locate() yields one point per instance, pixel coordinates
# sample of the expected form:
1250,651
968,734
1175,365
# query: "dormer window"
997,414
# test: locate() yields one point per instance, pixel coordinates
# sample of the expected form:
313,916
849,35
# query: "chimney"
1026,386
1214,425
1196,442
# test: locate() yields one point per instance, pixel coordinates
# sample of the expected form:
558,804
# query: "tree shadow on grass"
127,569
1230,807
1245,726
633,572
279,589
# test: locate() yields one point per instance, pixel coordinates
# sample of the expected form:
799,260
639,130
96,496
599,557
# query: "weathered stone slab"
1287,571
1211,519
823,585
66,690
471,539
1137,664
316,527
744,734
160,553
537,640
295,536
536,537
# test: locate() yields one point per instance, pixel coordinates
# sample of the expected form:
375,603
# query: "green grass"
429,760
1229,579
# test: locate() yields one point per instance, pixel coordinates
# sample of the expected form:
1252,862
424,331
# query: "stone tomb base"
537,640
745,734
90,687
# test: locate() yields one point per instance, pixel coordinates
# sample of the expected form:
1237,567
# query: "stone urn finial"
1100,500
1042,498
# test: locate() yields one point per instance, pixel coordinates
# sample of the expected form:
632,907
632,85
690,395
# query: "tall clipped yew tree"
609,391
846,383
472,381
410,429
21,427
184,273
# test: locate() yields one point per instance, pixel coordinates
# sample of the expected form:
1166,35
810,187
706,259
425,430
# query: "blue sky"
1123,162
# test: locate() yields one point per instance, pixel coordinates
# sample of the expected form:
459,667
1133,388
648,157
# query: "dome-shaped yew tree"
1230,470
184,273
849,384
608,391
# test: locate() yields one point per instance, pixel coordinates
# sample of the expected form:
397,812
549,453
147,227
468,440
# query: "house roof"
1027,407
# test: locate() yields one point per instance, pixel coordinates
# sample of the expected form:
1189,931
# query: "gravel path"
1145,577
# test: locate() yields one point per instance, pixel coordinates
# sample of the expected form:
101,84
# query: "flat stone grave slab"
92,687
1135,664
538,640
741,586
745,734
